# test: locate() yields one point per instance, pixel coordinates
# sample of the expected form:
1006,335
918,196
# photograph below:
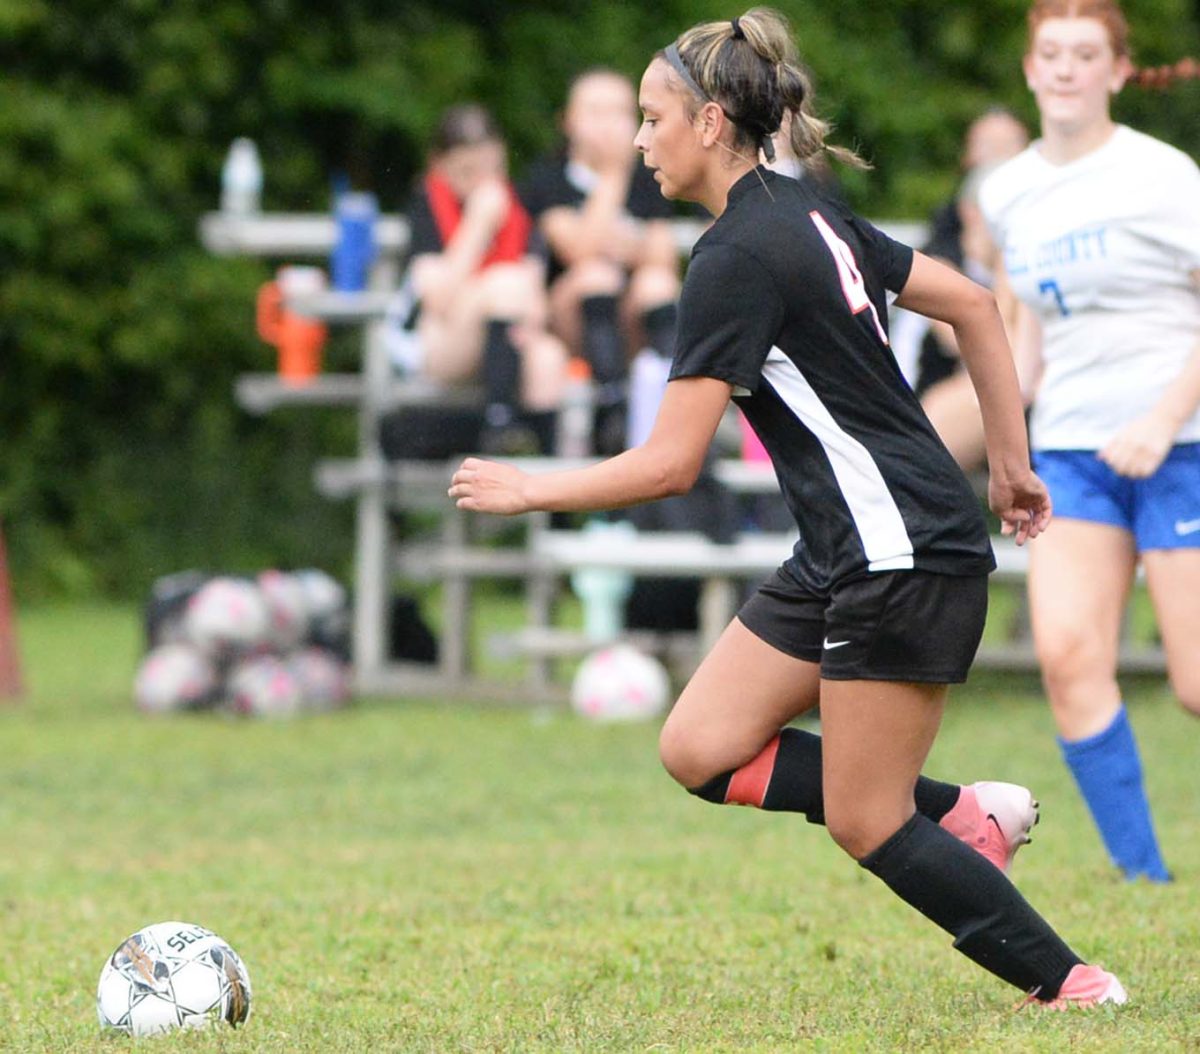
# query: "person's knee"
687,758
1187,691
652,286
849,834
859,830
1069,654
593,278
677,757
512,291
427,272
543,371
1191,704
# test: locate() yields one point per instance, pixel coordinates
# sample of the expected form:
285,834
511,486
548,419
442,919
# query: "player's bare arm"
1140,447
668,463
1016,495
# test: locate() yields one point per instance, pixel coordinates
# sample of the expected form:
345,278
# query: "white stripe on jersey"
874,511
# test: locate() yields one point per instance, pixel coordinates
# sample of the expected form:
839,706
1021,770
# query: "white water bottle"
241,179
576,413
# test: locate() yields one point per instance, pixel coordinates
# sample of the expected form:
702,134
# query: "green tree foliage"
123,456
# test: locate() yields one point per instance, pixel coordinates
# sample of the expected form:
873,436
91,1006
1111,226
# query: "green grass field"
414,875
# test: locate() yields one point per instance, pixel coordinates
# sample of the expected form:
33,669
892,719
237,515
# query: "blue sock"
1108,772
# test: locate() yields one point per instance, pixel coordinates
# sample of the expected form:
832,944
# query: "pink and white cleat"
994,819
1085,986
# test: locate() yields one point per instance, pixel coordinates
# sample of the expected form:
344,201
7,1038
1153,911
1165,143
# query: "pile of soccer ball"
169,976
270,646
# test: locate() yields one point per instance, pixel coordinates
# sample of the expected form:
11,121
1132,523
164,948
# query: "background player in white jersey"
1100,230
882,604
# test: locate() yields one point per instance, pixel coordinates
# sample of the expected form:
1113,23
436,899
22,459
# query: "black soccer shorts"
888,626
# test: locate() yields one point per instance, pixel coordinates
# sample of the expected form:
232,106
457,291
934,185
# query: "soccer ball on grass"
620,683
169,976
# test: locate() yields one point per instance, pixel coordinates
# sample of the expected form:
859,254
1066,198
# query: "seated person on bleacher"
477,280
614,266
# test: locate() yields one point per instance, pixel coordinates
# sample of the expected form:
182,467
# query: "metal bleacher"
453,556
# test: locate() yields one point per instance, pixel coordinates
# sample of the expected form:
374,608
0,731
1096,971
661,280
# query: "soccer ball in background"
174,677
328,610
172,975
271,645
165,613
323,678
620,683
228,617
287,609
264,686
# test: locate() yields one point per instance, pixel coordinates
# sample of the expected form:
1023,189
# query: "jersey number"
851,277
1049,285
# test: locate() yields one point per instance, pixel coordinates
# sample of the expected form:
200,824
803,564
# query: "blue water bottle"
355,249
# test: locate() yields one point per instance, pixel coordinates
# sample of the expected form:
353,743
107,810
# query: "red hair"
1109,14
1160,77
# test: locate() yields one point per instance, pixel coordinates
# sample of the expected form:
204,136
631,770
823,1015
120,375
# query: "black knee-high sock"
501,373
658,324
786,777
602,345
992,924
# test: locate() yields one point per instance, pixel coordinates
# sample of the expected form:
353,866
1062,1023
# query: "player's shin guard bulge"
992,924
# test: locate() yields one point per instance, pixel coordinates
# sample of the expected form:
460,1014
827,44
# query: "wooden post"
10,666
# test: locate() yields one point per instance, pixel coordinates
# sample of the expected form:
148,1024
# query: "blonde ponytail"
749,67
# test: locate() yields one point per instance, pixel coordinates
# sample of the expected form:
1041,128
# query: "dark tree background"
122,455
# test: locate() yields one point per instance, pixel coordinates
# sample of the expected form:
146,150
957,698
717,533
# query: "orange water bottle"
298,339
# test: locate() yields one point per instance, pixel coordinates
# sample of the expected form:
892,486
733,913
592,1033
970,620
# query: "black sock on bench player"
501,374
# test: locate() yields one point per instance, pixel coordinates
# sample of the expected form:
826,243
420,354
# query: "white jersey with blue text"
1102,250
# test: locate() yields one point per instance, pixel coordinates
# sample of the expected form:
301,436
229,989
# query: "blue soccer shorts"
1161,511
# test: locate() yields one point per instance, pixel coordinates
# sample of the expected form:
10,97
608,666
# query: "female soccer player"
882,604
1100,229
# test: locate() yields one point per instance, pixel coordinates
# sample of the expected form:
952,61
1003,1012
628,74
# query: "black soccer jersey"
552,182
785,298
